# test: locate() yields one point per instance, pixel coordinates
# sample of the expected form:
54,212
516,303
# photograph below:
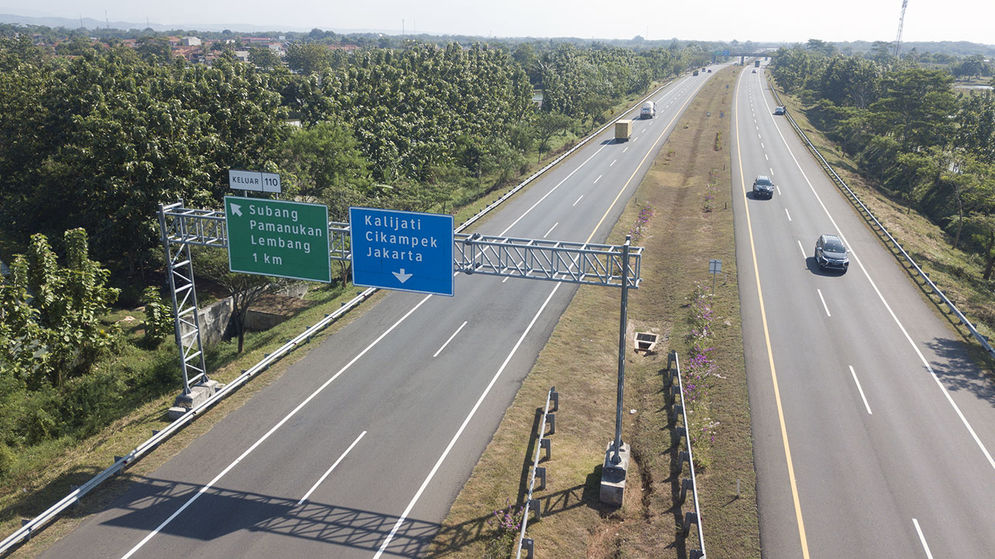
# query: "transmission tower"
901,21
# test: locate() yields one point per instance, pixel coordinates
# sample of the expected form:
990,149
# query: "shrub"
507,522
158,318
6,460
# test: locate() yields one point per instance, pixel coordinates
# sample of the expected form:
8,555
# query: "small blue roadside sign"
406,251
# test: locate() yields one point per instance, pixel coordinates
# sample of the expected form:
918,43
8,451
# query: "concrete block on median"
613,475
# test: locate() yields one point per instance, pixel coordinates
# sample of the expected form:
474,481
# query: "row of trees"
100,138
928,146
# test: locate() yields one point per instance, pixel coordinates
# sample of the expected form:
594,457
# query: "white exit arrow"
401,276
237,210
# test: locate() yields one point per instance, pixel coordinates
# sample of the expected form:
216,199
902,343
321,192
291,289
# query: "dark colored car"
779,110
763,187
831,253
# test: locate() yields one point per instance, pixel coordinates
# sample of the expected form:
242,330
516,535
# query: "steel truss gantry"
568,262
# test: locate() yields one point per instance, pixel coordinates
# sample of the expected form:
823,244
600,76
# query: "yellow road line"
636,171
770,352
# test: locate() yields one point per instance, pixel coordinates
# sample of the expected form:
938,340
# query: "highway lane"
380,425
860,449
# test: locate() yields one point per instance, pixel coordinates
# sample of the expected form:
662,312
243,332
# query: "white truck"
648,110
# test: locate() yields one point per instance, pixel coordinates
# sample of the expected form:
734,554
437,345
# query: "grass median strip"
682,215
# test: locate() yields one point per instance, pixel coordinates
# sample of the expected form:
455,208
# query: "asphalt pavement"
873,430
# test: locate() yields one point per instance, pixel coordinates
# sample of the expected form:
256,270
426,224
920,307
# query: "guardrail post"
551,420
678,466
675,411
685,485
534,506
554,398
541,474
689,519
528,546
545,445
678,433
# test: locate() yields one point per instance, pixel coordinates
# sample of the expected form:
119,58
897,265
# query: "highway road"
873,431
359,449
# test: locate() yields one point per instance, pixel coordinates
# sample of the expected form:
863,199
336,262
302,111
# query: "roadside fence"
880,229
548,416
679,411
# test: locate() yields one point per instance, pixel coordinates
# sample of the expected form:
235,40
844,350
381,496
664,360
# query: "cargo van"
648,110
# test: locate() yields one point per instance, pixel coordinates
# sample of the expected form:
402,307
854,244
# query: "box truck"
623,128
648,110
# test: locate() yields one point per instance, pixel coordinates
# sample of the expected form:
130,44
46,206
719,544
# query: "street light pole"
623,313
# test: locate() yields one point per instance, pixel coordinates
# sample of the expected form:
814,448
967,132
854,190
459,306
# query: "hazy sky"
775,20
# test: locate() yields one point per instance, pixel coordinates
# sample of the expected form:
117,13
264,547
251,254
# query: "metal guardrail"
542,442
860,204
692,483
213,234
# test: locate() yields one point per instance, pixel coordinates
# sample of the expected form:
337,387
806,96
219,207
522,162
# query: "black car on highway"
763,187
831,253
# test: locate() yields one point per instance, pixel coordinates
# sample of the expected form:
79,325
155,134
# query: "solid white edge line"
922,539
574,205
861,390
329,471
550,229
901,327
787,214
801,248
436,354
452,442
271,431
823,299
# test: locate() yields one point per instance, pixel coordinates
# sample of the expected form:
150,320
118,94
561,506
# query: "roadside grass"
957,273
44,473
49,471
685,230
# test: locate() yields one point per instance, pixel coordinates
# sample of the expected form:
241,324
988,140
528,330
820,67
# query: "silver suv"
831,253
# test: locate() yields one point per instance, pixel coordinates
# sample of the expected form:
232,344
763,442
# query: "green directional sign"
277,238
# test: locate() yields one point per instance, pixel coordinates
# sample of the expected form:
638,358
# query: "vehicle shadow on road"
958,372
814,267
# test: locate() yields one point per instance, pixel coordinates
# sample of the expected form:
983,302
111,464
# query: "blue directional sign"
407,251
